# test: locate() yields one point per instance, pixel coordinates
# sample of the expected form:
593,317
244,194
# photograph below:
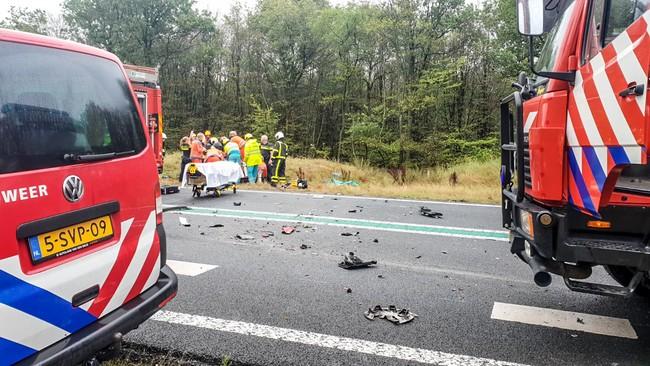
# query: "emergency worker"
213,154
232,151
266,149
197,149
239,141
184,146
279,157
252,157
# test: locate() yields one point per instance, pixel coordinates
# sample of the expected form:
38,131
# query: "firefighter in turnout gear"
279,158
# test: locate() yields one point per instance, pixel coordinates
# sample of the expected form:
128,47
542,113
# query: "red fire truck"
574,172
144,82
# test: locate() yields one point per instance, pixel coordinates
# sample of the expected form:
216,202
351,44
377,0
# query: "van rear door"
77,195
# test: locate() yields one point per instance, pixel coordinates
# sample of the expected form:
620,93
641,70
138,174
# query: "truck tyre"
623,275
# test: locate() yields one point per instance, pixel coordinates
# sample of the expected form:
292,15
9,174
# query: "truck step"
602,289
634,247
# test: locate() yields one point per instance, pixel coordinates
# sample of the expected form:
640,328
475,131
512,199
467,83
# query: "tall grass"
474,182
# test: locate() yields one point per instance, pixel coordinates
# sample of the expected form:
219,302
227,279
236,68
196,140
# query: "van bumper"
83,344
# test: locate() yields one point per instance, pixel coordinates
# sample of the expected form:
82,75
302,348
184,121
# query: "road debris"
391,313
352,211
288,230
375,240
236,203
266,234
351,261
444,252
418,257
184,221
175,208
425,211
216,225
580,320
244,237
349,234
380,276
348,290
305,246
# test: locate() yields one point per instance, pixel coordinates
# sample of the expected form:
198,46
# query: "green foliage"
26,20
393,83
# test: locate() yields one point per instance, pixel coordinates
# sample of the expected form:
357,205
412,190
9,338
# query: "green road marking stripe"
356,223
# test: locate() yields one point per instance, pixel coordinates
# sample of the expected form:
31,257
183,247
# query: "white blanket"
217,174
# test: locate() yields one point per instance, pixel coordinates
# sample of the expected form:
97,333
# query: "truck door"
607,104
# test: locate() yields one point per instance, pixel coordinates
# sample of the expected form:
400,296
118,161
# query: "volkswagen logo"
73,188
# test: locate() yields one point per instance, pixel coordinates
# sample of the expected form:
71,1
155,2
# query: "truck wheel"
623,275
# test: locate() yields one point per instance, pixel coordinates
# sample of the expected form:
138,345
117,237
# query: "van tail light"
159,204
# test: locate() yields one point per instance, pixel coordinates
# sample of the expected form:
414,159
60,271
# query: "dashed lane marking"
189,268
459,232
589,323
327,341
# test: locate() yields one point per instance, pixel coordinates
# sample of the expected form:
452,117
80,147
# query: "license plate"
69,239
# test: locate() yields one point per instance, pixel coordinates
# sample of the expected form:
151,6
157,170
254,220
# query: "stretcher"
212,177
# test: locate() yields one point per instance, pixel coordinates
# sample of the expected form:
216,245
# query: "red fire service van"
82,246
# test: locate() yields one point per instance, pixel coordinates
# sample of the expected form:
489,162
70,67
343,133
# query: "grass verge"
467,182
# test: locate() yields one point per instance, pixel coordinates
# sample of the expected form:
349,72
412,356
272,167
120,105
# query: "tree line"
402,82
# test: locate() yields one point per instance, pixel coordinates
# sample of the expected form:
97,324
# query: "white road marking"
189,268
596,324
371,198
327,341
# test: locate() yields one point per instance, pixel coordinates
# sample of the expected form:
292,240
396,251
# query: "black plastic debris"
375,240
244,237
390,313
380,276
418,257
236,203
346,234
580,320
304,246
352,211
216,225
348,290
425,211
351,261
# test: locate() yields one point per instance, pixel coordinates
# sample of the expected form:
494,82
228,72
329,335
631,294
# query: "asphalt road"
268,302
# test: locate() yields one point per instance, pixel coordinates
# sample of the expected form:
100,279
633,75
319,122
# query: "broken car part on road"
391,313
425,211
351,261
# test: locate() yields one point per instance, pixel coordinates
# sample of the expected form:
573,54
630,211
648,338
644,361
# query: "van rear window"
56,105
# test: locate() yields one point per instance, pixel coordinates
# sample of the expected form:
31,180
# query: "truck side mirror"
530,17
536,17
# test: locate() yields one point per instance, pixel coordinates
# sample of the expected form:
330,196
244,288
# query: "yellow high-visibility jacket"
252,153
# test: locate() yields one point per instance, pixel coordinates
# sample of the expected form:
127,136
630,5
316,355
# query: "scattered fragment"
202,233
216,225
375,241
236,203
288,230
352,211
574,336
351,261
244,237
348,290
266,234
304,246
358,206
391,313
418,257
380,276
183,221
580,320
425,211
346,234
444,252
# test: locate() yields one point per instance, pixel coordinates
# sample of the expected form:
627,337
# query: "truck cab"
82,244
574,138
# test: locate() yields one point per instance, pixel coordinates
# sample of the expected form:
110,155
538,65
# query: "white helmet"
279,135
164,136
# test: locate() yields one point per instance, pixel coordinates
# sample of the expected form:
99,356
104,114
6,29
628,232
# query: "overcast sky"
216,6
